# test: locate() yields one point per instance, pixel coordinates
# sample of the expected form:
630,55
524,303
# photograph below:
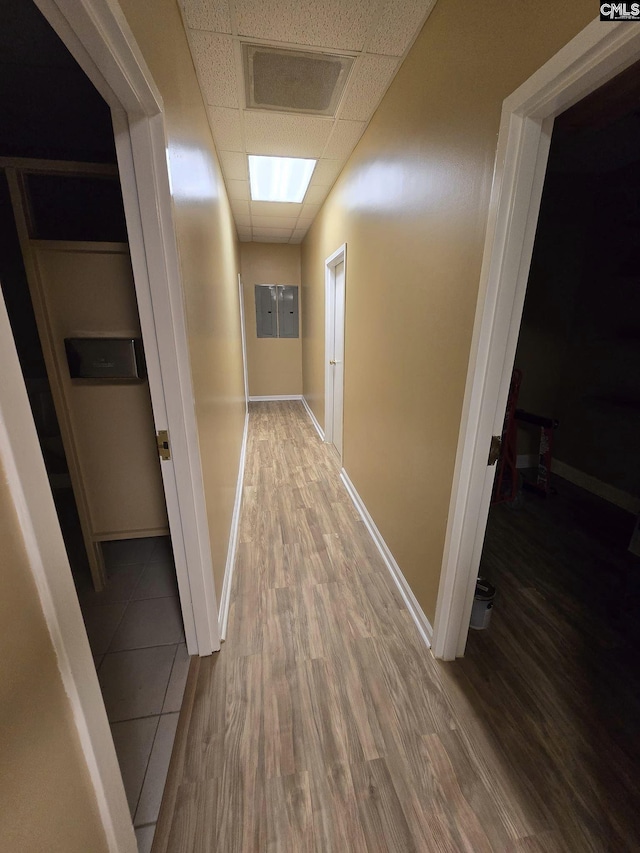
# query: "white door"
337,360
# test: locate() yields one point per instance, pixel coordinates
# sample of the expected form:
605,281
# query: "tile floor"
136,635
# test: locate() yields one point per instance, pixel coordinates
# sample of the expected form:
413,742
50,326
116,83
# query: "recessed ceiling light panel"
296,81
279,178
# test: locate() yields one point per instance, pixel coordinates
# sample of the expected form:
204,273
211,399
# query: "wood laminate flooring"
324,724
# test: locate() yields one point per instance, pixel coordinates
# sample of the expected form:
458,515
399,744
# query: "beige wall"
411,206
45,790
209,259
275,366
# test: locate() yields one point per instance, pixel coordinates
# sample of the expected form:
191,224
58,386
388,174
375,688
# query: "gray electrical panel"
277,310
287,311
266,311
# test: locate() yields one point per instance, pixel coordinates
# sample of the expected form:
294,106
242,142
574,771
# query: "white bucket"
482,605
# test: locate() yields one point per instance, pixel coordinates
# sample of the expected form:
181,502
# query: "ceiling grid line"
377,36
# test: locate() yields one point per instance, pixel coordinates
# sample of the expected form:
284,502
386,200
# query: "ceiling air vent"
294,81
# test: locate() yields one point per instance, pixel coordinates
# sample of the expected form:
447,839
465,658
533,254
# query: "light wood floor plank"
324,724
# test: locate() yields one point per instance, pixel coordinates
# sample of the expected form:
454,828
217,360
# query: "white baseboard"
269,399
591,484
313,418
225,595
416,612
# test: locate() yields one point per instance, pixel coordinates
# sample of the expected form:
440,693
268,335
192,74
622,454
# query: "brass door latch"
162,440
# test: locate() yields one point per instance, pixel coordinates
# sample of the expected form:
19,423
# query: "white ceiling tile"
295,240
244,232
343,139
246,239
340,24
367,85
316,195
238,189
274,221
285,135
234,165
214,60
226,128
399,23
239,207
300,232
326,172
273,232
207,15
310,211
242,220
275,208
271,239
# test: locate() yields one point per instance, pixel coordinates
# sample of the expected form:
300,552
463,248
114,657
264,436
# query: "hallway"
324,724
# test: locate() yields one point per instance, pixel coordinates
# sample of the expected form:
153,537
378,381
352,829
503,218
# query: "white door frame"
97,35
339,256
243,332
593,57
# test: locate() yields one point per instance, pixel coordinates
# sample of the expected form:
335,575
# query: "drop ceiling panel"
370,80
341,24
238,190
326,172
375,33
310,211
273,221
239,207
227,128
207,15
344,139
398,26
316,195
272,232
275,133
234,165
215,62
272,238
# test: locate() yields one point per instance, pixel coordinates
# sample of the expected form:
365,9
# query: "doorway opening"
335,302
594,57
556,670
66,274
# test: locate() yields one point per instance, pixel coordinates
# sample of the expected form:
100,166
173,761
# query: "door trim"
589,60
330,264
243,333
